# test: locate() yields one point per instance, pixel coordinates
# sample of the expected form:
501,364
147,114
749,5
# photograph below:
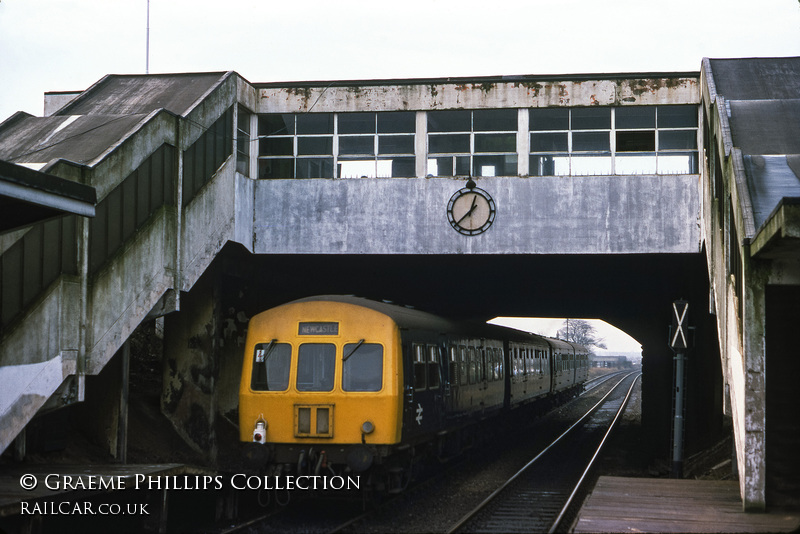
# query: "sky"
616,341
67,45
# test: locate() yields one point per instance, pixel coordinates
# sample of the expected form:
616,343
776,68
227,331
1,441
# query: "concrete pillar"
753,479
187,397
104,414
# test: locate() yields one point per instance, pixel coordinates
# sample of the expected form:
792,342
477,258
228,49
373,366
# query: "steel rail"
594,457
499,490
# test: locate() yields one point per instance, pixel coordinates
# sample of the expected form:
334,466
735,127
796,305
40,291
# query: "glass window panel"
505,165
635,117
396,144
357,144
549,142
444,144
677,140
323,420
462,165
495,142
639,141
433,367
271,367
677,163
397,122
356,168
636,164
591,165
590,141
677,116
304,420
276,124
443,166
591,118
275,168
356,123
449,121
363,370
276,146
314,168
549,165
315,123
314,146
549,119
315,366
398,167
494,120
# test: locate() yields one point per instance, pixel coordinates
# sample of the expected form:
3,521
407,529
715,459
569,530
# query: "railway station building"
216,198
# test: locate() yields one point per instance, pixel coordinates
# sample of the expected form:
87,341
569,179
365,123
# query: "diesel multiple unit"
336,384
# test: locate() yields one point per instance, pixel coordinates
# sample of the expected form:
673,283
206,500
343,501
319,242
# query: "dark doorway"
782,401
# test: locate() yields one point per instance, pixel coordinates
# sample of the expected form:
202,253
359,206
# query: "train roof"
412,318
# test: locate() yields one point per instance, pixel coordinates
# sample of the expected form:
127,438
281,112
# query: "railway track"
325,517
542,496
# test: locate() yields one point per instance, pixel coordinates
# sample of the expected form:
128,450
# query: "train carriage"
344,383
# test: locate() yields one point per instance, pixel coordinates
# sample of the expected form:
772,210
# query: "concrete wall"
738,279
487,93
537,215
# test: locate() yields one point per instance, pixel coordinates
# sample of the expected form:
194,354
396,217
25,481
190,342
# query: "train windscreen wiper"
360,342
267,352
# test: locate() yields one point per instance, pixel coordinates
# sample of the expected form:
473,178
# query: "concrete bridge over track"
218,198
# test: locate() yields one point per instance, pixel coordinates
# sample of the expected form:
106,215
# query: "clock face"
471,211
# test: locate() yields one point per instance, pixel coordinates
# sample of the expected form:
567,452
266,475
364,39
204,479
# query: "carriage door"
451,385
425,410
437,386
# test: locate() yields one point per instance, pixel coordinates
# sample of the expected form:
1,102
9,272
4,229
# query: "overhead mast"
147,44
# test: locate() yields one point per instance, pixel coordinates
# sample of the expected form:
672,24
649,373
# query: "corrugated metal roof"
135,94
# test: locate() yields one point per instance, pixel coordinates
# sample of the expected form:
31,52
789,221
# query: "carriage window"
363,368
419,366
315,366
462,351
433,366
501,364
473,367
453,366
271,363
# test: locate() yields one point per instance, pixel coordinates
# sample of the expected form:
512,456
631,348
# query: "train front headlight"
260,431
367,427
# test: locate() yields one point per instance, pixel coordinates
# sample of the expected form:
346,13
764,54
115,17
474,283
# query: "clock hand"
471,209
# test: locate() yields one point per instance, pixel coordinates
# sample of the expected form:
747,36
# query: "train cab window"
433,366
362,367
271,363
420,366
316,363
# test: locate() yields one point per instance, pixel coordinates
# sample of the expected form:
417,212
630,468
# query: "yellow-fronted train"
341,385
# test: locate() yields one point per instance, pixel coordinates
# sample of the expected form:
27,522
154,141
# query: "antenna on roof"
147,45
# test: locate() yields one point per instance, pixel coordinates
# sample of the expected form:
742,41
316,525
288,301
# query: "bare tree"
581,332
